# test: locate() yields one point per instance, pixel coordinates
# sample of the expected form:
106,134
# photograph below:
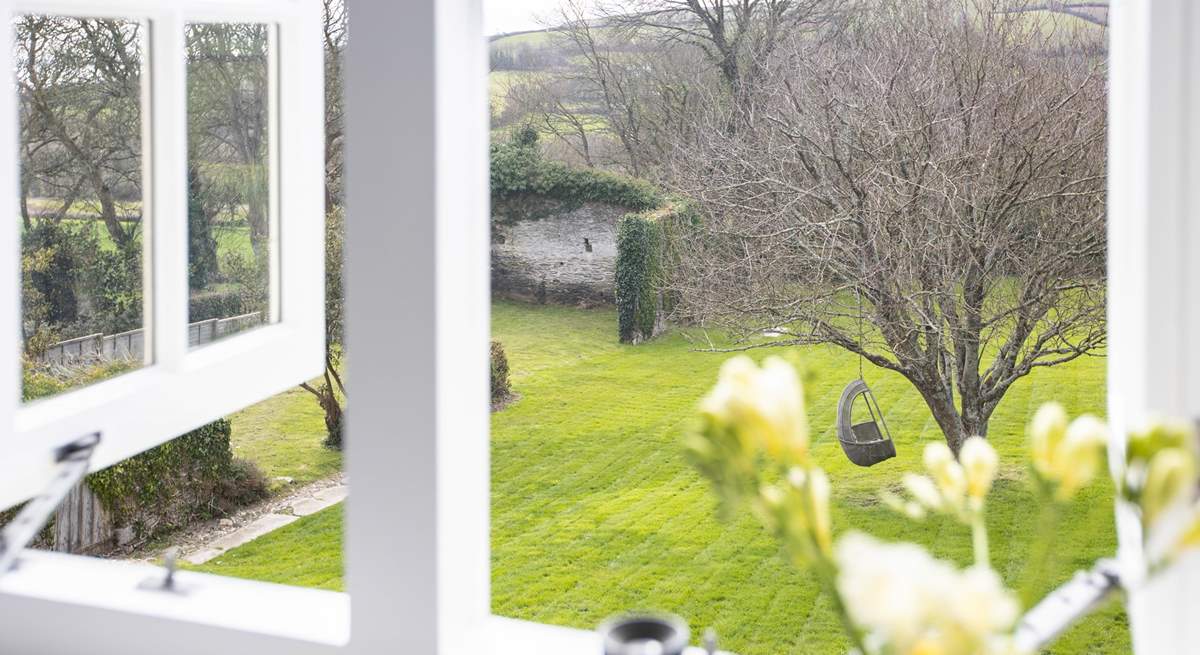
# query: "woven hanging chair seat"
867,441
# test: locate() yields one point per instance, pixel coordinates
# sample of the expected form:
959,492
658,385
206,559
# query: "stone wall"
544,251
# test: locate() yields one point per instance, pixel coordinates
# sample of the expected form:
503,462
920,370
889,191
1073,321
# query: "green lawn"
283,435
595,511
307,553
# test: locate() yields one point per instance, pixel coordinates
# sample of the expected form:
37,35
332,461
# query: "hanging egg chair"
860,426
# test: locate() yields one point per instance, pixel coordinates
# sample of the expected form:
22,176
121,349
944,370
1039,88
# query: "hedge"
191,478
501,387
517,168
215,303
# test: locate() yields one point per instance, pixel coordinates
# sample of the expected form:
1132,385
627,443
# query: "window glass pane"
79,94
230,252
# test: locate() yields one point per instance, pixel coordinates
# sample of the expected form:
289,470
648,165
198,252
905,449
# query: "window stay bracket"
73,462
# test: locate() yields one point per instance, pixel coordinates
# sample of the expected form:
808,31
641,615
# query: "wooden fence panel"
81,524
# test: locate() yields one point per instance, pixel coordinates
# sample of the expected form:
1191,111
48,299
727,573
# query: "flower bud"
1046,431
979,462
946,472
923,491
1171,474
1078,457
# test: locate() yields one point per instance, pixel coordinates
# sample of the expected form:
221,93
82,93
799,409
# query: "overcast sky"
515,15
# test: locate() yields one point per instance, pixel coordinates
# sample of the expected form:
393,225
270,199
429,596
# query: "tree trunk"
108,210
968,419
945,413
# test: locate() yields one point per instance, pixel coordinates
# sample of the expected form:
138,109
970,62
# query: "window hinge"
73,461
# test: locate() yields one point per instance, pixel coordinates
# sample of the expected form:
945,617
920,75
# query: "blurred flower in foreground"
752,443
1066,456
910,603
764,407
1160,479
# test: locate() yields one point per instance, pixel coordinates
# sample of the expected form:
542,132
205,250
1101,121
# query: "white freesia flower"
1067,454
980,463
1047,430
982,605
923,490
946,472
1080,454
911,603
765,406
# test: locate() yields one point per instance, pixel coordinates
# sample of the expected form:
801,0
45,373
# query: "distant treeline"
525,57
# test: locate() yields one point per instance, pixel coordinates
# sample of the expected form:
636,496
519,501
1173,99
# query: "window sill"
320,619
292,613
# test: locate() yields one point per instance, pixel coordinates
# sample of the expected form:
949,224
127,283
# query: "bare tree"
335,48
619,100
925,190
228,105
605,77
79,83
734,36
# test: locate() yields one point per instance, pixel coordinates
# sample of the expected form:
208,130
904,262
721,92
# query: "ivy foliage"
519,169
638,267
644,254
191,478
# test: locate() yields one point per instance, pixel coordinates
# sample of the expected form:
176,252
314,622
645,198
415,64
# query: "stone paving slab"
333,495
319,501
243,535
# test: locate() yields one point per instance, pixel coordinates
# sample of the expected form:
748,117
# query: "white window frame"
418,302
1154,271
140,409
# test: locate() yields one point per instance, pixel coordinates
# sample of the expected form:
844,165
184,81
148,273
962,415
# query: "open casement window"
177,388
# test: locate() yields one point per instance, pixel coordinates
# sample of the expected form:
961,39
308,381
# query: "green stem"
979,540
1039,554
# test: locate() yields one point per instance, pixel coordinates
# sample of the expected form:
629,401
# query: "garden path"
213,538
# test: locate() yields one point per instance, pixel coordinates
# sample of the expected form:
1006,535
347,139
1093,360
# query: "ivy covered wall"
579,236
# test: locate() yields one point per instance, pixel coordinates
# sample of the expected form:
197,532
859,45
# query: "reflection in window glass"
79,96
229,208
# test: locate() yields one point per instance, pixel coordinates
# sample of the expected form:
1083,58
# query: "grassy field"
595,511
233,237
533,38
